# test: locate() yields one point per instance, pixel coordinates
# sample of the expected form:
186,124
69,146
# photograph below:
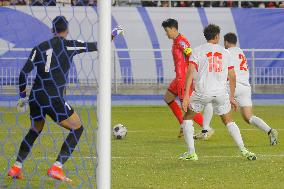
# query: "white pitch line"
131,131
143,157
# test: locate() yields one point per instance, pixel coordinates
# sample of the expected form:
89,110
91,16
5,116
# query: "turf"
147,158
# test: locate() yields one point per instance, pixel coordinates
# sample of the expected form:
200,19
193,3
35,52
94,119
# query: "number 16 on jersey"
215,61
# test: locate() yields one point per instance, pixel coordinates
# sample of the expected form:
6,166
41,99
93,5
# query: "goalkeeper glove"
118,30
22,102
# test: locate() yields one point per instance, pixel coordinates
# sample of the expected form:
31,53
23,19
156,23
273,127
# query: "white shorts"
242,94
221,104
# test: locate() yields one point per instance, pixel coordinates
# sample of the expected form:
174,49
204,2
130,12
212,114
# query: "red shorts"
173,88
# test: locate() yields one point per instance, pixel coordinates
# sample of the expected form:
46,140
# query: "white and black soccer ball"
119,131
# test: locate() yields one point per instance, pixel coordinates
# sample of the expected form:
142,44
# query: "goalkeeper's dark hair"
231,38
170,23
59,24
211,31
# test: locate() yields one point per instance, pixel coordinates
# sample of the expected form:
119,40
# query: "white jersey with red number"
212,62
240,64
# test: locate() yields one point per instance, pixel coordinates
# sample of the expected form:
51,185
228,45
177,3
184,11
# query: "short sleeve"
194,57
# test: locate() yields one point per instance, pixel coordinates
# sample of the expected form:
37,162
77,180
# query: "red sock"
176,110
198,118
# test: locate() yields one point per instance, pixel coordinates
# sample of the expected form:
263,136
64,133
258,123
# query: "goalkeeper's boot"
249,155
15,172
204,135
57,173
186,156
273,137
180,135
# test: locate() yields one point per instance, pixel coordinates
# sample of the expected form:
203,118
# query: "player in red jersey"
181,51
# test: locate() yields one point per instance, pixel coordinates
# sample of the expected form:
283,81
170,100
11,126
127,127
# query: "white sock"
256,121
236,134
188,131
58,164
18,164
207,116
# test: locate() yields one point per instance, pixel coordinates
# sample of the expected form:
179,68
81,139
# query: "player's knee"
247,119
226,118
78,126
37,126
167,99
188,115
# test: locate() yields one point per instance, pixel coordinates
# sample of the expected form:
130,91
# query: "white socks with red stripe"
236,134
188,131
256,121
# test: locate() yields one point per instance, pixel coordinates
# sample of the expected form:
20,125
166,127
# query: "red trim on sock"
176,110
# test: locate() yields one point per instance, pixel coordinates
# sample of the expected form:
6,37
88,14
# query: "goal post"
103,171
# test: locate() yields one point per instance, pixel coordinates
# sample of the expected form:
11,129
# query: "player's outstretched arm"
27,68
189,79
232,85
77,46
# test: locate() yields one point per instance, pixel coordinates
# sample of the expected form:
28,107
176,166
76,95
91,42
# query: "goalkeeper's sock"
26,145
58,164
236,134
188,131
176,110
198,118
18,164
69,145
256,121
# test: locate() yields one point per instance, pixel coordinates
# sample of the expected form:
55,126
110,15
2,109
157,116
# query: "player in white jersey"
243,89
210,65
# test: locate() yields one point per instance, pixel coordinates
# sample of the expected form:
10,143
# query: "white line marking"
163,157
131,131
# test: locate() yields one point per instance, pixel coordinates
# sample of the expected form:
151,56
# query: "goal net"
22,28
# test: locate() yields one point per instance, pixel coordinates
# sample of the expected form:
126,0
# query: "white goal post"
103,170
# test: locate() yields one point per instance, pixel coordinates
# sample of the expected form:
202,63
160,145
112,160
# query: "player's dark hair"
170,23
59,24
211,31
231,38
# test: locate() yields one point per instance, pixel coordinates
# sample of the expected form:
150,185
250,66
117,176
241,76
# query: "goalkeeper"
52,60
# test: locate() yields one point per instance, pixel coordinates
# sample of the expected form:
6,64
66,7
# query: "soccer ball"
119,131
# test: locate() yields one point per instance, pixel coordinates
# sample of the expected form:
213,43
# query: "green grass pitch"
147,158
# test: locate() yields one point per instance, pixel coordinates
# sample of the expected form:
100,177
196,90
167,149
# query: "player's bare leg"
248,116
188,129
25,148
207,131
236,135
73,123
170,99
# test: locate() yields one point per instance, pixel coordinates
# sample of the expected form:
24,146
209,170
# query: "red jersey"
181,51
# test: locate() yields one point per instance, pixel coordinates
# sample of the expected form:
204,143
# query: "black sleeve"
28,67
77,46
